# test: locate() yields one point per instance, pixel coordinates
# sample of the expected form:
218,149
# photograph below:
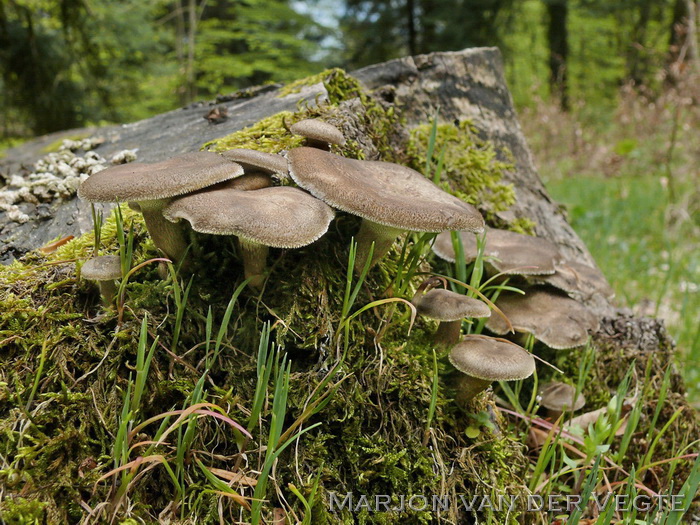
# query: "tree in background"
68,63
376,30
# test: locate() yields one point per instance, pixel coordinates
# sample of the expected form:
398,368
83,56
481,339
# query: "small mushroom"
508,252
104,269
553,318
449,308
318,134
484,360
558,397
254,161
390,198
152,186
278,217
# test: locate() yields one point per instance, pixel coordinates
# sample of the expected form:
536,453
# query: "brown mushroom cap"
560,396
577,279
556,320
318,130
510,252
102,268
144,182
446,305
246,182
279,217
491,359
381,192
253,160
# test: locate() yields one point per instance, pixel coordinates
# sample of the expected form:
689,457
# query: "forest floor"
629,180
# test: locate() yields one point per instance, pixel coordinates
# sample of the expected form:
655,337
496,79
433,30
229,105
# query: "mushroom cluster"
266,200
550,308
237,193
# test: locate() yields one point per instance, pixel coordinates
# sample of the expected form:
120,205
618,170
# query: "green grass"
651,262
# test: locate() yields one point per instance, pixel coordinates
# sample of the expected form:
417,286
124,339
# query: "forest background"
608,92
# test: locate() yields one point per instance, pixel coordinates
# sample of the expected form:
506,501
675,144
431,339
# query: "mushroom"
103,269
555,319
508,252
318,134
558,397
278,217
254,161
484,360
449,308
151,186
390,198
576,279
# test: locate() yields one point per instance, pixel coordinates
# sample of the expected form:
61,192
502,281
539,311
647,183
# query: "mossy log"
68,366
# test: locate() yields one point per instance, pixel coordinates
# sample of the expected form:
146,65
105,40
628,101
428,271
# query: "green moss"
21,511
471,170
272,134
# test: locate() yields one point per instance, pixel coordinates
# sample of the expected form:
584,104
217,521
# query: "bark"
558,41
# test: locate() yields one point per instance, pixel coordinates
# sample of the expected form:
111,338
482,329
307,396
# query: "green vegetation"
196,393
630,186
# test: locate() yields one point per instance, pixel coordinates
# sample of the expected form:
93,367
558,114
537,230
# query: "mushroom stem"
468,387
167,236
254,257
108,290
448,333
371,232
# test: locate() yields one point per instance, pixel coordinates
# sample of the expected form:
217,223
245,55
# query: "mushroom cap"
510,252
161,180
555,319
254,160
560,396
491,359
577,278
280,216
102,268
381,192
446,305
246,182
318,130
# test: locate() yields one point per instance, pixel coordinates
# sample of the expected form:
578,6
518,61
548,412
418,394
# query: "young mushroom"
449,308
104,269
390,198
553,318
484,360
558,397
507,252
278,217
318,134
258,162
152,186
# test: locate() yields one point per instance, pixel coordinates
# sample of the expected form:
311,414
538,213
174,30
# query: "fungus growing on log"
449,308
508,252
152,186
484,360
389,197
277,217
318,134
104,269
555,319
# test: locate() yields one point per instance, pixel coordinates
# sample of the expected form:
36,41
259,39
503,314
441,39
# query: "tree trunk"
558,40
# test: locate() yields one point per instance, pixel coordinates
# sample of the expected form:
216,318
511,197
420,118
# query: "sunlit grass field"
630,183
